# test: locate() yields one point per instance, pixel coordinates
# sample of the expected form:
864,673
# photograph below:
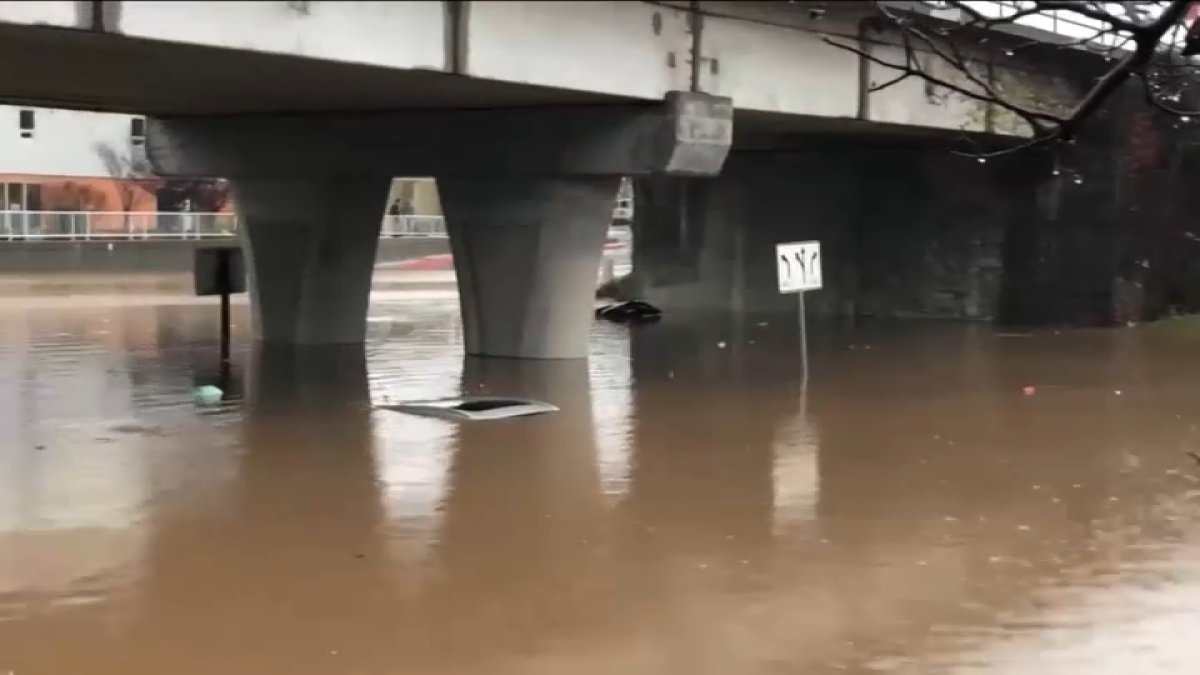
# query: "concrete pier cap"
528,196
686,134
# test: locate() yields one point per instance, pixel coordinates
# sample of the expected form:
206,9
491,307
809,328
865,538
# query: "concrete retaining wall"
906,231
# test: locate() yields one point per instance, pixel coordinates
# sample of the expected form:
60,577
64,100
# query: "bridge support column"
310,248
527,217
527,252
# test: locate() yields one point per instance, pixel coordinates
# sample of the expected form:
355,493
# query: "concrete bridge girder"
193,57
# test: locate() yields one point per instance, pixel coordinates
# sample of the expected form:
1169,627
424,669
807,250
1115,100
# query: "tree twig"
1162,105
1033,118
1034,142
1090,12
1131,24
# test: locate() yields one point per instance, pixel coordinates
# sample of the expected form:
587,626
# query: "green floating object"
207,395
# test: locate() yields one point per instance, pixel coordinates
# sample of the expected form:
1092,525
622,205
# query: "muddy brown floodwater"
690,510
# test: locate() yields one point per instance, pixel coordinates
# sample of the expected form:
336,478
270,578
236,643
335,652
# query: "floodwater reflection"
690,508
303,507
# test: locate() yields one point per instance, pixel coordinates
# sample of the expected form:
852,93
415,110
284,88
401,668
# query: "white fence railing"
413,226
85,225
101,225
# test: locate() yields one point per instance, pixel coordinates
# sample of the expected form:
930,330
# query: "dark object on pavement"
632,311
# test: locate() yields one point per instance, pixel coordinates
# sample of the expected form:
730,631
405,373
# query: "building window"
14,197
137,130
26,123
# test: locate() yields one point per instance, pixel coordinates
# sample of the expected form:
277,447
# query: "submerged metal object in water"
474,408
632,311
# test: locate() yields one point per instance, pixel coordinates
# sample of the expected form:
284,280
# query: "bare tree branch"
127,169
1140,38
989,94
1135,11
1036,141
1136,61
904,75
907,71
1089,12
1163,105
980,21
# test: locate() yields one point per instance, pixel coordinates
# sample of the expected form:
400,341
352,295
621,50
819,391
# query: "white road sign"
799,266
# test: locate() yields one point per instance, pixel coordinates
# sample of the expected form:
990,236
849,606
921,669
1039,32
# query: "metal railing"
106,225
1063,23
413,226
1069,26
92,225
102,225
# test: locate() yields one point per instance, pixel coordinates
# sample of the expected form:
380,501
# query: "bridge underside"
528,174
85,70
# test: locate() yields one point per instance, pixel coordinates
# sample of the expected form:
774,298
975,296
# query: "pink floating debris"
1029,390
430,263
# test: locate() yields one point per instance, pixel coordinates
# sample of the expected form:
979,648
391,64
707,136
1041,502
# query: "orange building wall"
63,193
112,195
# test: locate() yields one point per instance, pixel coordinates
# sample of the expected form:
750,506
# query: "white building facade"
43,150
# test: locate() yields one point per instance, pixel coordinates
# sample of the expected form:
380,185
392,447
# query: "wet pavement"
689,510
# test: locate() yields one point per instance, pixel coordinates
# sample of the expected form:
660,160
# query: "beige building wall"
420,192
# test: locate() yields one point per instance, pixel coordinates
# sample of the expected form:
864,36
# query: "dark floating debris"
474,408
630,311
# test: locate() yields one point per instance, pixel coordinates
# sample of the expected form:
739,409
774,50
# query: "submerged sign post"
798,266
220,271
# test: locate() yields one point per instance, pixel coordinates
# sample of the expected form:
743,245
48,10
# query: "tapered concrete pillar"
528,194
310,247
527,252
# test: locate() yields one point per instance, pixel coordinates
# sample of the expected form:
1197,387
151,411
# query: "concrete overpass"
527,113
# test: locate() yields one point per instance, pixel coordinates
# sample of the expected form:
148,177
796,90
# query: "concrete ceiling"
74,69
64,68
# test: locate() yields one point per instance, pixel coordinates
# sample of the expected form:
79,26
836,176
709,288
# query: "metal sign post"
220,270
803,341
798,267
